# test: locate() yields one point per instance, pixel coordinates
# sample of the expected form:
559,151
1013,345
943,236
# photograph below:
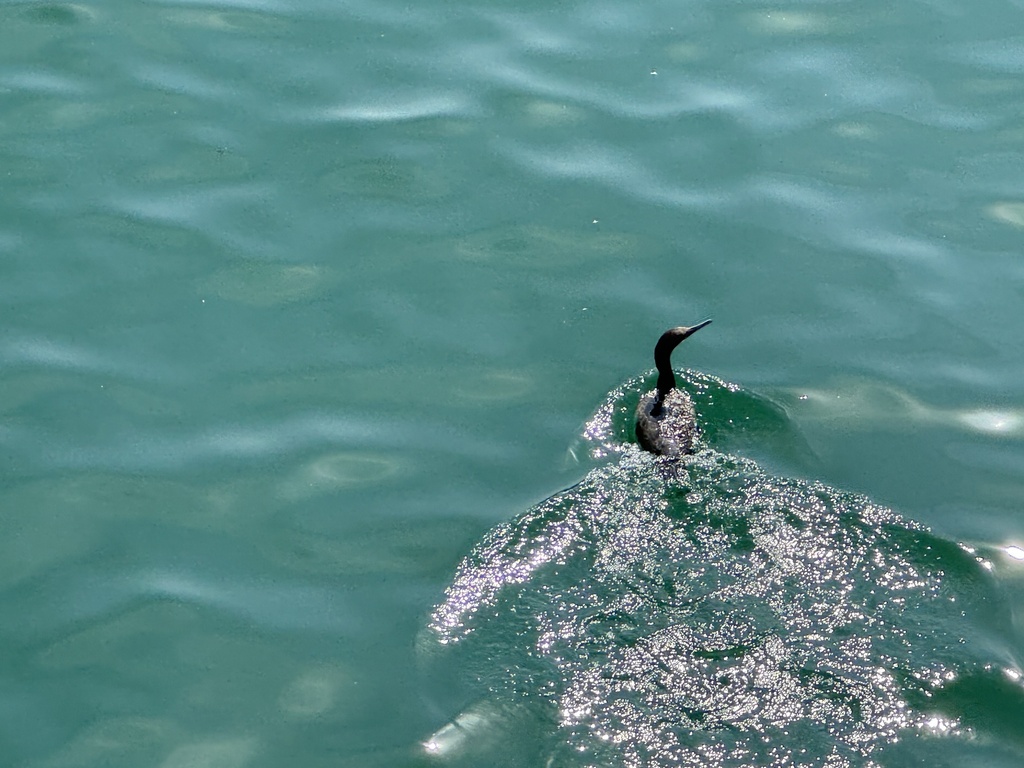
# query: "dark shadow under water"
706,613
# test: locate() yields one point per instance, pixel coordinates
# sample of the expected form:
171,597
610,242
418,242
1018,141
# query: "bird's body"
672,430
666,423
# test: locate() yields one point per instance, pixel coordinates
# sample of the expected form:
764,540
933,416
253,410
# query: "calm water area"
320,327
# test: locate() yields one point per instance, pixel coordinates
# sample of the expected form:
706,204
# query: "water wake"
705,613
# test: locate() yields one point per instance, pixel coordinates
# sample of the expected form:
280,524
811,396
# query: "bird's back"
673,430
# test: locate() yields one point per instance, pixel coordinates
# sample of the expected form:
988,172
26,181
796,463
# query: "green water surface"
299,300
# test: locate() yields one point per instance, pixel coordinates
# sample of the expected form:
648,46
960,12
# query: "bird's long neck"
666,378
666,381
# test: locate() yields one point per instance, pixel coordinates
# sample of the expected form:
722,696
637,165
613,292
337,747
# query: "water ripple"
273,605
1005,55
415,106
53,354
42,82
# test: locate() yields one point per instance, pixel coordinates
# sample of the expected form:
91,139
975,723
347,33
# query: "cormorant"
666,423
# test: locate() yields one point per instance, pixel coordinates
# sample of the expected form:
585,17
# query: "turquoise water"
304,304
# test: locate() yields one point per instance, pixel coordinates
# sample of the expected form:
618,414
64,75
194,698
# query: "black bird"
666,423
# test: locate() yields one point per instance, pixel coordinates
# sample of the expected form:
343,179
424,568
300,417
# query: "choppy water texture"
703,612
300,299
